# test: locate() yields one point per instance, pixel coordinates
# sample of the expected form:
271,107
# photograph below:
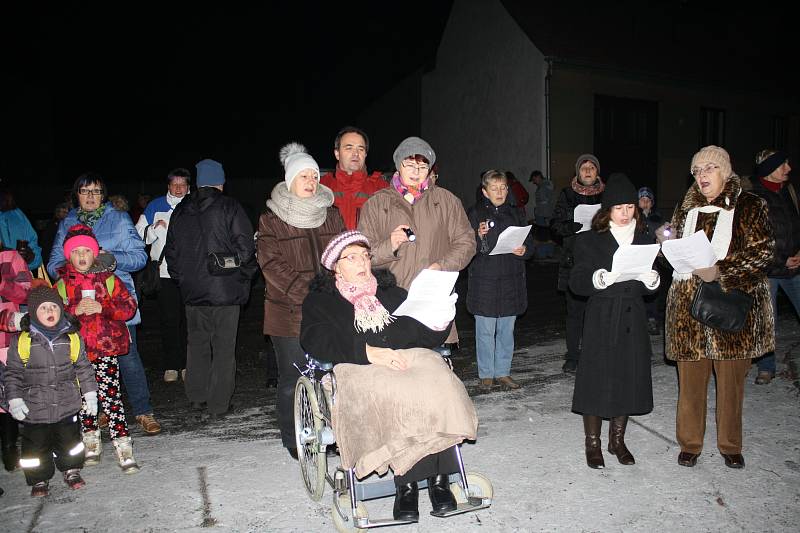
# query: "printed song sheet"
630,260
429,297
511,238
583,214
689,253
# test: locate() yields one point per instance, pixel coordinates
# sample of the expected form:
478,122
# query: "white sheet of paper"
584,214
630,260
427,296
689,253
511,238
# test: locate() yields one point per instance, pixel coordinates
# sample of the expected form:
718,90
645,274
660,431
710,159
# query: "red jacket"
350,191
104,333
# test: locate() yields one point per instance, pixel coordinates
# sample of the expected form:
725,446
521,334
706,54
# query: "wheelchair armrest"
325,366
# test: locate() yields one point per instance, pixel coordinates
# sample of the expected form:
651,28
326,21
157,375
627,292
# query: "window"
712,126
780,132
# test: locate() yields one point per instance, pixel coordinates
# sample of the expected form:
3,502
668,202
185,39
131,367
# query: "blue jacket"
15,226
115,234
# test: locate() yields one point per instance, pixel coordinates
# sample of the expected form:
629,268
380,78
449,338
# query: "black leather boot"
594,452
442,499
616,440
406,502
9,430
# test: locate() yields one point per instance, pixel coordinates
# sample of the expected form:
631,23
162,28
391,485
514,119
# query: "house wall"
483,104
748,118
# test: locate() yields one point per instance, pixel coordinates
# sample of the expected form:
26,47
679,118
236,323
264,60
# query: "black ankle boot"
442,499
406,502
616,440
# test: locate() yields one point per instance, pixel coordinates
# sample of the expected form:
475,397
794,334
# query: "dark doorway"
626,138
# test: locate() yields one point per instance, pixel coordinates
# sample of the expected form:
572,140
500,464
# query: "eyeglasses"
357,257
499,188
90,192
699,171
422,167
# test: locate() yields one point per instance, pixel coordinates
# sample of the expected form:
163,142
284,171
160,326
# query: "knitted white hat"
295,159
716,155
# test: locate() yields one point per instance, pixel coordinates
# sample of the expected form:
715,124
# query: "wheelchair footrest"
474,504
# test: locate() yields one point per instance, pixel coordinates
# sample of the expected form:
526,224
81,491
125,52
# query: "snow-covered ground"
530,445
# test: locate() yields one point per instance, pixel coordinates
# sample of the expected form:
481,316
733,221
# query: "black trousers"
287,352
211,355
576,307
444,462
9,431
49,446
173,325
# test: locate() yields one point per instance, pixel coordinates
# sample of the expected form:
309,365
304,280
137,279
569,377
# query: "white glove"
445,313
650,279
602,278
91,403
18,408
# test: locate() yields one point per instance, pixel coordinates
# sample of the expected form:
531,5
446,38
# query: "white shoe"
93,447
170,376
124,448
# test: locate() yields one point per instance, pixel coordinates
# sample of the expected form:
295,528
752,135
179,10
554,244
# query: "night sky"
136,92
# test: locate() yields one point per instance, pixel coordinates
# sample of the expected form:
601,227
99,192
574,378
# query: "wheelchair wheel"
344,504
308,426
479,486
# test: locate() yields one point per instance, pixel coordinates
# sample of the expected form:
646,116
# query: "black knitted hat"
619,190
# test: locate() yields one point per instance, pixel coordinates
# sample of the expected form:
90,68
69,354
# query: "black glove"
24,251
576,227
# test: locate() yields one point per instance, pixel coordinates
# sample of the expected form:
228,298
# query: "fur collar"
324,281
726,199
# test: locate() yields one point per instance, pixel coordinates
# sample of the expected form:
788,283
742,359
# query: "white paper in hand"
510,239
428,297
631,260
689,253
583,214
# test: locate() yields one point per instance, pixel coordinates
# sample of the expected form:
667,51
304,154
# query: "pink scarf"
370,314
412,194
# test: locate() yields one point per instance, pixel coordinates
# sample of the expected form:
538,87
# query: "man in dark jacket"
210,253
586,188
771,182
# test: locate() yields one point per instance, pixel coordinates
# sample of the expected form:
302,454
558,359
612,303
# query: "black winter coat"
327,331
208,221
497,285
563,224
785,221
613,377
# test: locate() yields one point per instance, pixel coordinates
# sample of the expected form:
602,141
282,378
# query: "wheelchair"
314,395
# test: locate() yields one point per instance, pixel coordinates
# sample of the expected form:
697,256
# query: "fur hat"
295,159
716,155
40,295
619,190
337,245
80,235
411,146
209,173
584,158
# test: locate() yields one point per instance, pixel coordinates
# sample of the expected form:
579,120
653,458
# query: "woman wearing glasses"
116,236
737,225
398,405
440,237
299,222
497,290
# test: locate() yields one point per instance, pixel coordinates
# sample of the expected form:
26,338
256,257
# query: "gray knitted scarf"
300,212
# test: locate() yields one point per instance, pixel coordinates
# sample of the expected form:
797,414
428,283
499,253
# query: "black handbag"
720,309
148,279
223,264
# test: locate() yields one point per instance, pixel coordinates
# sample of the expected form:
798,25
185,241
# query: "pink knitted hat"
80,235
337,245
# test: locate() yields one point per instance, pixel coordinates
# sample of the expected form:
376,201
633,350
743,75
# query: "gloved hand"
91,403
665,232
708,274
445,313
16,320
576,227
650,279
602,278
18,408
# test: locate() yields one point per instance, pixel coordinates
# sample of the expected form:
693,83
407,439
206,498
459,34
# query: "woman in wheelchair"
398,404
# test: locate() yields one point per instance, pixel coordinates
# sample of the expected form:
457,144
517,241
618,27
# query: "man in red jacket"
350,183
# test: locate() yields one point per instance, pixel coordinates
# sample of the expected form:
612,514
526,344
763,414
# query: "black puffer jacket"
785,221
208,221
564,225
497,285
50,383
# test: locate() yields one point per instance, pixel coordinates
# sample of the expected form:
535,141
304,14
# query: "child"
497,291
613,379
15,282
102,304
47,401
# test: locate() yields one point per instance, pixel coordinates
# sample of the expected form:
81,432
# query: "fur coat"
744,267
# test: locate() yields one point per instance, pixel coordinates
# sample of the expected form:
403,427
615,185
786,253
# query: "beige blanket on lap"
388,418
